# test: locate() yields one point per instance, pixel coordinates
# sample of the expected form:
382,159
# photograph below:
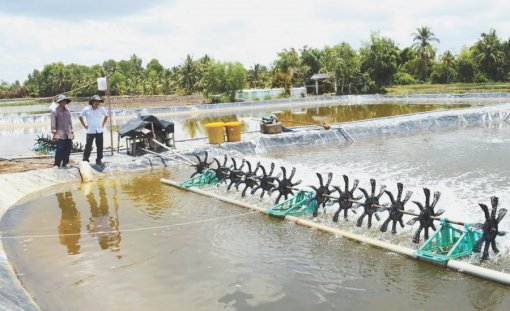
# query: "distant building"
261,94
320,77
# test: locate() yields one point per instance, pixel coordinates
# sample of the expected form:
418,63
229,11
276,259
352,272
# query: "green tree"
285,68
153,84
59,79
34,83
202,65
448,61
169,80
155,66
311,58
235,79
258,76
466,66
443,73
189,74
505,46
118,83
379,58
110,66
489,56
423,46
224,79
343,64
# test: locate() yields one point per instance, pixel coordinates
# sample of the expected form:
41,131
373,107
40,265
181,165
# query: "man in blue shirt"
93,118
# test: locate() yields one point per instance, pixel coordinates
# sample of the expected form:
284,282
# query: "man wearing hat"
93,118
62,129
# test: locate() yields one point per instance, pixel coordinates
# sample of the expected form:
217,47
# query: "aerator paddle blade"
45,143
266,181
285,185
322,193
371,204
236,174
425,216
202,165
346,199
490,229
249,178
396,209
222,171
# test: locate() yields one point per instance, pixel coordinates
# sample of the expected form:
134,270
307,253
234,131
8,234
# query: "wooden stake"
109,114
325,125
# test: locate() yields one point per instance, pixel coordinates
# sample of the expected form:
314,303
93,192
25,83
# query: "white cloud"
246,31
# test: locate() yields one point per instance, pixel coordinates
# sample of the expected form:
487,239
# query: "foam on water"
467,166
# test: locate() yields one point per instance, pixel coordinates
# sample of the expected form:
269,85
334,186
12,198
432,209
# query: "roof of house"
320,76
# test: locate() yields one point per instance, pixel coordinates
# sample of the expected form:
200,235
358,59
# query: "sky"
34,33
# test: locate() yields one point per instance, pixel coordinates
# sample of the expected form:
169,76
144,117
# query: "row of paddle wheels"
249,179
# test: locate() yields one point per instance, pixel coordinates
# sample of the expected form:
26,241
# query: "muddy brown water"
19,139
131,243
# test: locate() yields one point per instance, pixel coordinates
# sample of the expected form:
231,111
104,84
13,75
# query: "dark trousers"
88,146
63,151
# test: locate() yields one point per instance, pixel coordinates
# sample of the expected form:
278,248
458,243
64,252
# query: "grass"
454,88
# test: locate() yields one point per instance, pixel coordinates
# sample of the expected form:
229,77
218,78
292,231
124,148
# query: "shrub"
480,78
404,78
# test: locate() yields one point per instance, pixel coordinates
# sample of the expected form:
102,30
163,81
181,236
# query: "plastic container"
233,130
215,132
102,84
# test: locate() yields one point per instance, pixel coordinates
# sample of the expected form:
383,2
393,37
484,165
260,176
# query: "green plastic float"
448,243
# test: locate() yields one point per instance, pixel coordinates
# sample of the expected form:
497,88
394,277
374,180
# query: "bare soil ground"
7,167
152,101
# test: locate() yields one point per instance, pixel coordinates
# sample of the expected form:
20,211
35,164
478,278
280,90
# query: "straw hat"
95,98
62,97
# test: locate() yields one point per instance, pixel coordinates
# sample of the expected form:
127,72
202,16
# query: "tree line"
377,64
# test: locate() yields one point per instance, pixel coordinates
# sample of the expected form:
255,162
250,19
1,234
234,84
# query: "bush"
441,75
466,69
403,78
480,78
216,99
225,98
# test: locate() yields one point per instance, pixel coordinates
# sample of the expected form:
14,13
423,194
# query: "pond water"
192,127
132,243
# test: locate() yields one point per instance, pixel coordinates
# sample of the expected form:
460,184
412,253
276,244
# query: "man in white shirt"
93,118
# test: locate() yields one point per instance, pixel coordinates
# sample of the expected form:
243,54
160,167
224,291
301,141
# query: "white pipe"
460,266
86,171
173,151
359,238
212,195
481,272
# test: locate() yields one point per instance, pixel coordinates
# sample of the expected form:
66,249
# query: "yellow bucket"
215,132
233,131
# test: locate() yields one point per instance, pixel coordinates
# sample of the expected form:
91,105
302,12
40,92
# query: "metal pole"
460,223
109,114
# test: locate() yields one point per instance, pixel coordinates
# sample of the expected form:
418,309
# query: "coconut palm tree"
59,79
189,72
448,61
489,54
422,45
